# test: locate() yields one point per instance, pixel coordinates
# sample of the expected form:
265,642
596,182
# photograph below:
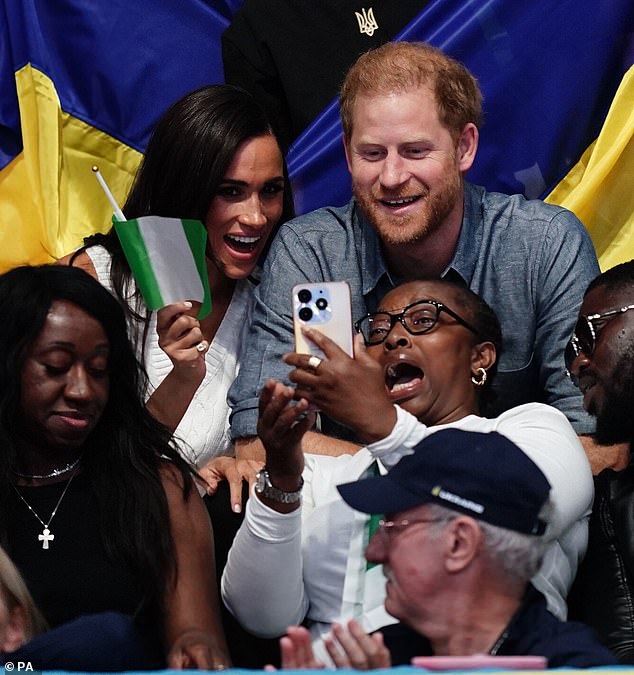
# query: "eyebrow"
71,346
232,181
398,310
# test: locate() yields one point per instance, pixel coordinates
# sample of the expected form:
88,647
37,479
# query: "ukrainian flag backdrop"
549,71
84,82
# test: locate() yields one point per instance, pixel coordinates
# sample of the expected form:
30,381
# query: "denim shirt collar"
369,251
465,257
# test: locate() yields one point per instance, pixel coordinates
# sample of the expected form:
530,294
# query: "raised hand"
282,423
349,647
351,391
352,647
180,337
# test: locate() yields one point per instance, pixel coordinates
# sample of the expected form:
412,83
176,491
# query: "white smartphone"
325,307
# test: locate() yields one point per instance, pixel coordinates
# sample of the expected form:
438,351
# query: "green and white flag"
167,258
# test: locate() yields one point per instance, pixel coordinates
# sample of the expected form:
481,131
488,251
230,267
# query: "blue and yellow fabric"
549,71
83,82
600,187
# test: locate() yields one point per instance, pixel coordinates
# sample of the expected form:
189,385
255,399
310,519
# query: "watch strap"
264,487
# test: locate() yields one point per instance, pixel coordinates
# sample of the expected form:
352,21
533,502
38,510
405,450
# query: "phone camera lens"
305,313
322,303
304,295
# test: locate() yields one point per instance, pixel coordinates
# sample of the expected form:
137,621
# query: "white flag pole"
117,211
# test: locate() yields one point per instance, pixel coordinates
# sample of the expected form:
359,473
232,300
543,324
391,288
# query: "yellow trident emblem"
367,22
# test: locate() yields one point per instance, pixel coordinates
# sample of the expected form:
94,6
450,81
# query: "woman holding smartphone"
422,362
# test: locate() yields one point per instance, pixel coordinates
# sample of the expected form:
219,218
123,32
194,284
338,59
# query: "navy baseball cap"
484,475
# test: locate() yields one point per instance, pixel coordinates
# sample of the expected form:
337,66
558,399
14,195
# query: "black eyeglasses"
584,339
419,317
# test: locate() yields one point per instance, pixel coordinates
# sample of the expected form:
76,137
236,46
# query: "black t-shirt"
293,54
74,576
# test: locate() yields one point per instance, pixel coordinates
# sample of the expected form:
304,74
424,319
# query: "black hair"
482,317
186,159
123,455
616,278
479,314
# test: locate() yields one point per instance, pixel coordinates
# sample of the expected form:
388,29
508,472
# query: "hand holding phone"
349,388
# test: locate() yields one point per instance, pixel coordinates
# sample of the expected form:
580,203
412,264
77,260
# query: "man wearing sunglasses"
600,354
411,118
600,360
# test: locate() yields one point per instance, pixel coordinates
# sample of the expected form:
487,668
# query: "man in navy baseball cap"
462,536
461,539
484,475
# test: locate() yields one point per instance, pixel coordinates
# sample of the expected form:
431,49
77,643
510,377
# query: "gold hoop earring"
483,377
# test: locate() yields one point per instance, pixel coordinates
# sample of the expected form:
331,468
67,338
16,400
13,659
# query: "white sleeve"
262,583
547,437
405,434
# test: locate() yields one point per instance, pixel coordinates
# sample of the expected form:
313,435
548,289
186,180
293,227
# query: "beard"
615,420
433,210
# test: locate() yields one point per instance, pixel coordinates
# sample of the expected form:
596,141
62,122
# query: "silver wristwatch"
264,487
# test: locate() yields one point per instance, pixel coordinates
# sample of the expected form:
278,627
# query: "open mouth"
402,376
398,203
240,243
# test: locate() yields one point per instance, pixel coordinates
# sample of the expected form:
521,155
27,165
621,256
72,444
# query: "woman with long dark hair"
96,504
213,157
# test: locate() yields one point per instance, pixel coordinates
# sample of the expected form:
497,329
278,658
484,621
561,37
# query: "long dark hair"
123,454
186,159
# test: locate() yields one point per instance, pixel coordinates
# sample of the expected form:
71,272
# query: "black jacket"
603,593
533,631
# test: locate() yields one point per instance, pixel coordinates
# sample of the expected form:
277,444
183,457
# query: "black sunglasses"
584,339
419,317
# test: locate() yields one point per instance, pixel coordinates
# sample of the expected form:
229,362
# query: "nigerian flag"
167,258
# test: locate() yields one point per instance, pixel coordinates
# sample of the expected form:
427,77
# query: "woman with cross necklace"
97,507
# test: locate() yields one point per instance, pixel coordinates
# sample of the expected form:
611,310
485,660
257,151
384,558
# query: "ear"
465,537
15,633
346,149
483,355
467,146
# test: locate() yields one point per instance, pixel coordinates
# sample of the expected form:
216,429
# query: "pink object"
480,661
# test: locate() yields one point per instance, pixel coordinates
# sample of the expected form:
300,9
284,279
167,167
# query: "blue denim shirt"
529,260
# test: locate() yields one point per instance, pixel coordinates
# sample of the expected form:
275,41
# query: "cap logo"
437,491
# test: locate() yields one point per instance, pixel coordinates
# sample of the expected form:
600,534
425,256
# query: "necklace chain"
46,535
54,473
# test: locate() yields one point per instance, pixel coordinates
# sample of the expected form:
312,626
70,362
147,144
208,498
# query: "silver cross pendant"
45,537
